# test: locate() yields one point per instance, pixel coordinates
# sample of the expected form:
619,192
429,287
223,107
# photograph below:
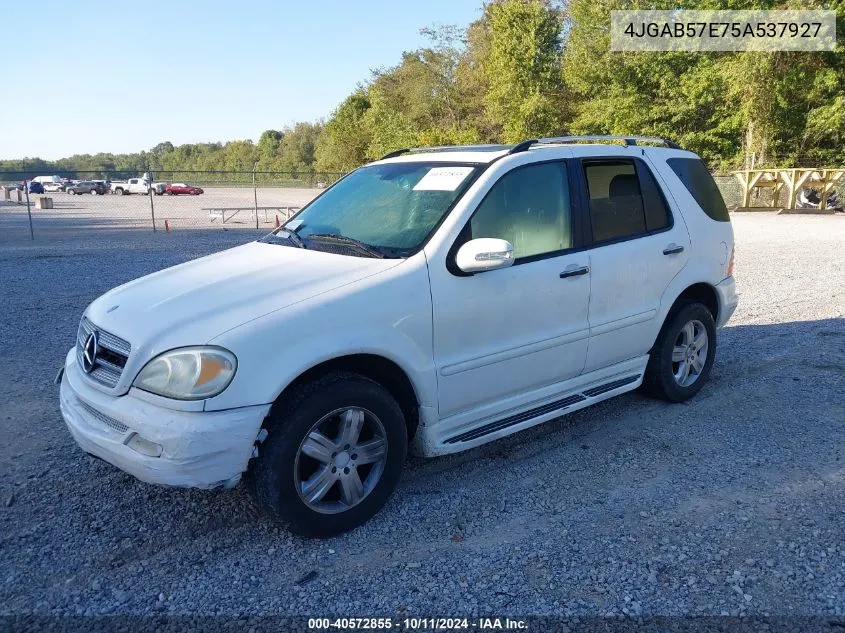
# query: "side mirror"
484,253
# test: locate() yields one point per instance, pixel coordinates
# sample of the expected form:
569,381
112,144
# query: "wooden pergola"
793,180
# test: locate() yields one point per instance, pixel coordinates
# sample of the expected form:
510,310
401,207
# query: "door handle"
673,249
574,272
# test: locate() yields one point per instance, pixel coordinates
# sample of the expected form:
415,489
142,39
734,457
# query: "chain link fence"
171,200
34,206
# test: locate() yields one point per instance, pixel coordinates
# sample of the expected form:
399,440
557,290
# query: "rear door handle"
574,272
673,249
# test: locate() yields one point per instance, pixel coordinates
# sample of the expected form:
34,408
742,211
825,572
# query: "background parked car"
88,186
54,186
137,185
36,187
11,186
45,180
177,188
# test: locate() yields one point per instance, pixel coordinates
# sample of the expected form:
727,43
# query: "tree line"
533,68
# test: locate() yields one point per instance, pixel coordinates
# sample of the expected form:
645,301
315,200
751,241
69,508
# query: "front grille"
111,356
114,425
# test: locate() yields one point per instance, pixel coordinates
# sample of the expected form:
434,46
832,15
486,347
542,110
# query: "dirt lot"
733,503
83,212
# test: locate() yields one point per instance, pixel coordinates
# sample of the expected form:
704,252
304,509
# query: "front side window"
530,208
388,210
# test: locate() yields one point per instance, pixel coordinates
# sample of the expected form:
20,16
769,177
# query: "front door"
501,334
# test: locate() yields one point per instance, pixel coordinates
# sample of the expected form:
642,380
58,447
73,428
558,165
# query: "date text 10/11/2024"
417,624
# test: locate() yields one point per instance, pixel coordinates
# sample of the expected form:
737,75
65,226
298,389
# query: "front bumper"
728,300
196,449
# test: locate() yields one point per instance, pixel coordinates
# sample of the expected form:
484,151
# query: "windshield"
391,208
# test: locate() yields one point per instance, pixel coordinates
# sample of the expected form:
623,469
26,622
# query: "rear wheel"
94,192
681,359
120,192
333,455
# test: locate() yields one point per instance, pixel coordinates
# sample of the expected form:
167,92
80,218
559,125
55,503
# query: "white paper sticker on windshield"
443,179
293,225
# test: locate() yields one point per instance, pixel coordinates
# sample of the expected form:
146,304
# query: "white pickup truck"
137,185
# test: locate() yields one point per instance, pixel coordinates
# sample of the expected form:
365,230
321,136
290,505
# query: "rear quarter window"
698,181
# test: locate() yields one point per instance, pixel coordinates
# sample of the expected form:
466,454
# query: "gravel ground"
733,503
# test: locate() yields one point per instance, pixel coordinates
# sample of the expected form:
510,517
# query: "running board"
610,386
557,405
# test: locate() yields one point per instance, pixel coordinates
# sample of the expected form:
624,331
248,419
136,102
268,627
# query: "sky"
91,76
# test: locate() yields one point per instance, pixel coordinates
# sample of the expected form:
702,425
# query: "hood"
191,303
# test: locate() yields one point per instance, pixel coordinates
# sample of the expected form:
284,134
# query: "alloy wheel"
340,460
689,355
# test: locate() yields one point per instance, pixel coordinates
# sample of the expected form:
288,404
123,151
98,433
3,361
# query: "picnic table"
227,213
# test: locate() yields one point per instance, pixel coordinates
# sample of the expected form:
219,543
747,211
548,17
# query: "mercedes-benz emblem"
89,353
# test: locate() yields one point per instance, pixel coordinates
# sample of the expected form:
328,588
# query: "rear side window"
656,212
616,202
625,200
701,185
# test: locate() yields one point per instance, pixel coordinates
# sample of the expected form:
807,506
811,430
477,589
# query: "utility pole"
255,193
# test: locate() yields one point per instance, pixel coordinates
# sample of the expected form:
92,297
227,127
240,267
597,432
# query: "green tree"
342,145
523,68
732,108
298,148
269,149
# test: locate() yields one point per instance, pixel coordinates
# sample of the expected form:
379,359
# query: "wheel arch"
700,292
375,367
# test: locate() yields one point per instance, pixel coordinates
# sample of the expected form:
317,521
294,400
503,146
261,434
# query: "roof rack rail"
521,147
479,147
397,152
626,139
483,147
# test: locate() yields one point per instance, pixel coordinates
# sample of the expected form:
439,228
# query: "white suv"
436,300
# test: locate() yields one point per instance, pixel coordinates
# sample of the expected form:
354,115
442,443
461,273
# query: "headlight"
188,373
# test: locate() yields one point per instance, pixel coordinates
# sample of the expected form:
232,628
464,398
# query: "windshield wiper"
334,237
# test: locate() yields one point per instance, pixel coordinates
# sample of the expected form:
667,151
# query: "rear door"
637,246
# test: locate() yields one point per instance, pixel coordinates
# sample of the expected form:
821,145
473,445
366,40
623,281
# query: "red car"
180,187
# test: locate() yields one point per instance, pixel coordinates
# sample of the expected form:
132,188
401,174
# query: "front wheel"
680,362
333,455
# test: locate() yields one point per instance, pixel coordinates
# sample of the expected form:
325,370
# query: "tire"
120,192
94,192
283,473
679,364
